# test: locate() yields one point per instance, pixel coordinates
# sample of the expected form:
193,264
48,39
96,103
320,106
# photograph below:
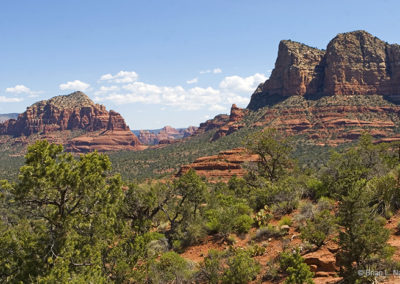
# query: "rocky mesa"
101,130
329,96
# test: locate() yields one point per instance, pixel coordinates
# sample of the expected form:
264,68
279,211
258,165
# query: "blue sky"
165,62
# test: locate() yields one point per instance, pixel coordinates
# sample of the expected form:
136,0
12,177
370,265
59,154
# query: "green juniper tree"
68,211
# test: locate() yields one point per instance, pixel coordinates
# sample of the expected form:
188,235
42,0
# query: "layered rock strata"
103,130
354,63
221,167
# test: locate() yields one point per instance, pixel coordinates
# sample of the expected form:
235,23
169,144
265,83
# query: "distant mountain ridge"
7,116
165,135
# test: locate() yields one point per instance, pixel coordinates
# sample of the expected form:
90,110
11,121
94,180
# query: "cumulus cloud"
21,89
4,99
106,89
237,84
192,81
214,71
120,77
232,89
18,89
74,86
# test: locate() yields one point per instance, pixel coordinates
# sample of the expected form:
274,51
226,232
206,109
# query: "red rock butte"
329,96
103,130
354,63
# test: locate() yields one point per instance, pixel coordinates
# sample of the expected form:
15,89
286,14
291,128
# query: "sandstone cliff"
328,97
354,63
74,112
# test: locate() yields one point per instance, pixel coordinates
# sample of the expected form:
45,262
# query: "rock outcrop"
166,135
107,129
354,63
329,97
221,167
233,124
109,140
215,123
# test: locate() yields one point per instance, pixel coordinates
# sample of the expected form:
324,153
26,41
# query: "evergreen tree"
363,238
68,210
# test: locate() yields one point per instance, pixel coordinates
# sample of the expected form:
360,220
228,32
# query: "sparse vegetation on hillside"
86,224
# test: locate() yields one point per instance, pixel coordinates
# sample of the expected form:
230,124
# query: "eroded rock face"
329,97
233,124
354,63
109,140
221,167
211,124
74,112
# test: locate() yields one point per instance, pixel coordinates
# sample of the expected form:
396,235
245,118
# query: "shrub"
286,220
316,188
268,232
272,273
284,207
243,223
228,214
319,228
211,268
241,268
293,264
171,267
325,203
229,266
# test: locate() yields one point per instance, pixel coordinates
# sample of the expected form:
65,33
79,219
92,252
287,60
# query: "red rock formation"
221,167
189,131
211,124
353,63
233,124
323,261
107,130
330,97
147,137
109,140
166,135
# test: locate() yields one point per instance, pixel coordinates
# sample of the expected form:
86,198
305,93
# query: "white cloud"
21,89
192,81
4,99
107,89
237,84
74,86
214,71
218,108
217,70
232,89
18,89
121,77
